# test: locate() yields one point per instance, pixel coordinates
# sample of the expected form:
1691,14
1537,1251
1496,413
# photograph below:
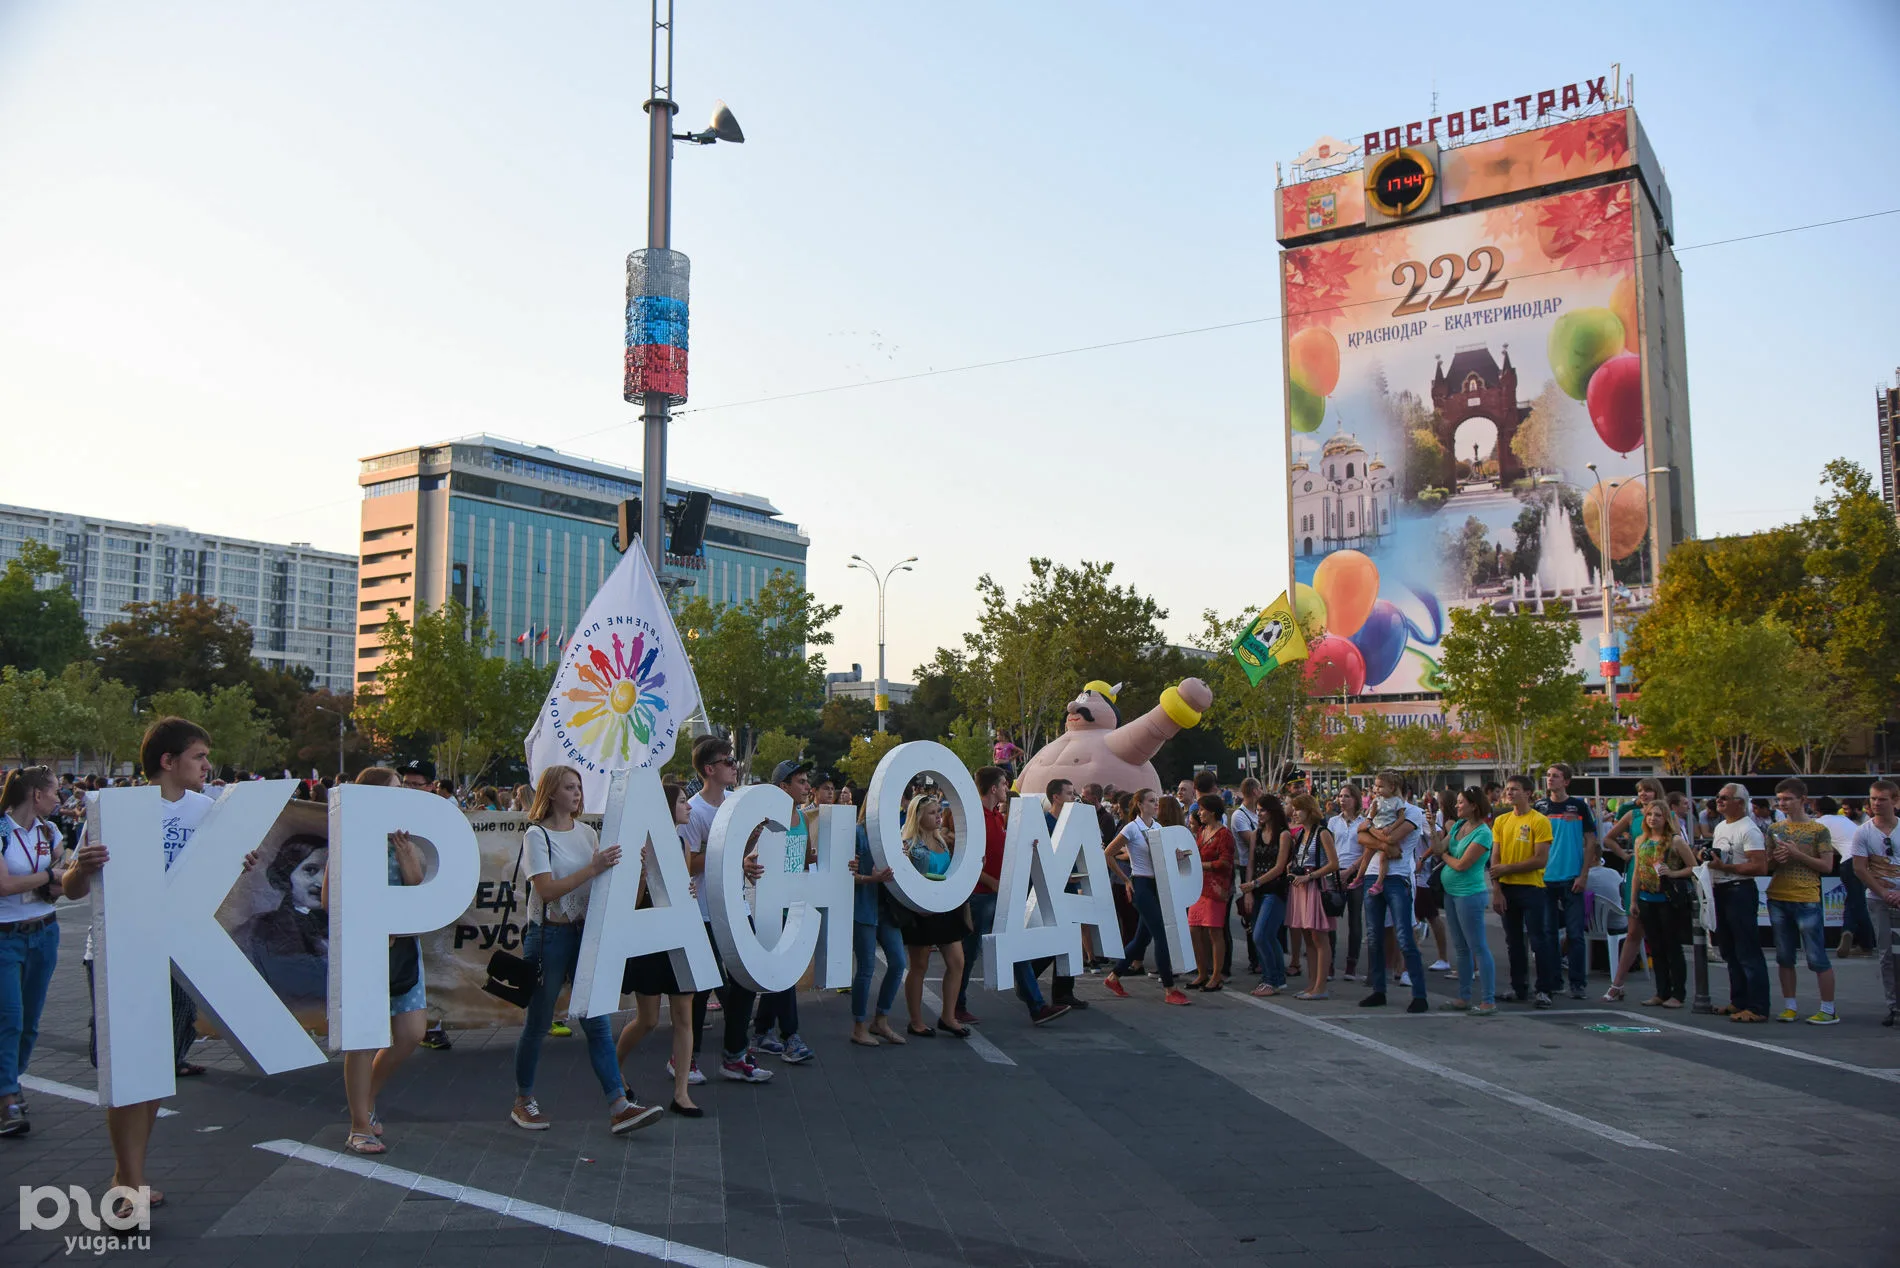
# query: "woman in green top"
1464,845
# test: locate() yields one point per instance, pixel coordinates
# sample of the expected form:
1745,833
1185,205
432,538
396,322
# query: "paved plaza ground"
1235,1131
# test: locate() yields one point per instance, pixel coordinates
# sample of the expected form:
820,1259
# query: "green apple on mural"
1309,409
1580,341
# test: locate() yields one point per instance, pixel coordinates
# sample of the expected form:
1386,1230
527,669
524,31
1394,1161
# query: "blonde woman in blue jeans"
1465,846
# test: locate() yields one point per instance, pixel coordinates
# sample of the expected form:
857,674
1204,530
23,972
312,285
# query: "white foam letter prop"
638,821
884,804
1035,916
1177,862
148,919
800,911
365,909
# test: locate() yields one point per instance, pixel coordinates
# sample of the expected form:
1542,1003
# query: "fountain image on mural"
1450,383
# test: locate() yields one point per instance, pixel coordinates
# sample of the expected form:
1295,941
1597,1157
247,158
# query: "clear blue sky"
243,245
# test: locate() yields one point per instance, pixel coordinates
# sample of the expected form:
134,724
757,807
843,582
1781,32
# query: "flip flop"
363,1143
1262,991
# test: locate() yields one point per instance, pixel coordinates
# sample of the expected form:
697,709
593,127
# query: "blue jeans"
780,1008
1566,909
558,949
1527,908
865,941
1738,937
1464,916
1392,905
982,921
1266,938
1854,917
1147,902
26,966
1800,922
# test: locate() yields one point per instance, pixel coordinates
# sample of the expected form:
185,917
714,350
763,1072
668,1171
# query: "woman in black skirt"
650,976
925,931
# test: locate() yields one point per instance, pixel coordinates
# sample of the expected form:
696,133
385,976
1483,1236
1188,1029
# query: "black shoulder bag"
510,977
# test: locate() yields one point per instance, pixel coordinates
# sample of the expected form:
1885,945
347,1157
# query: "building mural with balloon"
1485,395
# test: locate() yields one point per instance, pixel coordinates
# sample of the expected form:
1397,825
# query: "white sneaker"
693,1075
1405,979
1439,966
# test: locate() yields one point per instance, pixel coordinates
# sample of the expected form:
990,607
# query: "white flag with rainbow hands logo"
624,689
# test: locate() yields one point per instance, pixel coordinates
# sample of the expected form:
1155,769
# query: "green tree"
1717,692
38,716
840,719
1569,736
774,747
752,661
1506,674
115,726
970,743
437,681
189,643
310,735
40,623
1423,749
932,707
1366,746
1823,712
866,752
241,733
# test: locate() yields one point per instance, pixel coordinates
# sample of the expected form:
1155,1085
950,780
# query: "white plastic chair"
1598,930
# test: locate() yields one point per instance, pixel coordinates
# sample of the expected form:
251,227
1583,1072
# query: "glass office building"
522,535
299,602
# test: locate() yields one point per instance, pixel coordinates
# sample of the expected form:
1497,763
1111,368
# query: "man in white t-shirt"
1736,855
1392,905
1875,855
1857,934
176,755
1345,828
719,775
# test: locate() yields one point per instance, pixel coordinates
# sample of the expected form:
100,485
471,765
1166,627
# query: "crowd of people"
1284,875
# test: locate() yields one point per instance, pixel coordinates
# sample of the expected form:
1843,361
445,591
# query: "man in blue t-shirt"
1573,852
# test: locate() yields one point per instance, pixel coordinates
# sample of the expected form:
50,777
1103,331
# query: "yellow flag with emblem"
1271,640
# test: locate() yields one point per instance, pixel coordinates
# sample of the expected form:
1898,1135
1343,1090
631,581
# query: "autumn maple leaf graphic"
1608,137
1319,281
1589,229
1568,140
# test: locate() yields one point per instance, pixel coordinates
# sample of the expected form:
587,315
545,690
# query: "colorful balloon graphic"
1311,609
1616,402
1334,665
1312,360
1309,410
1381,640
1629,515
1348,582
1623,304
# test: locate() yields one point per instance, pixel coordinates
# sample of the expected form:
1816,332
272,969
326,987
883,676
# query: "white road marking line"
1650,1019
983,1047
1476,1084
83,1095
593,1230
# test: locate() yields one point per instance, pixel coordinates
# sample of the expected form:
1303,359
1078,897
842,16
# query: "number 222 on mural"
1489,287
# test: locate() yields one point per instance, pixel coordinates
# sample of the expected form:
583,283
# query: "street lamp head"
911,560
859,558
1657,471
724,127
1590,467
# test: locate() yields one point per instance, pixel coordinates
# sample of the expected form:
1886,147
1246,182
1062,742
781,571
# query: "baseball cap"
416,766
788,768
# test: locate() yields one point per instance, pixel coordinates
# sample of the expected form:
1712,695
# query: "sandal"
1613,996
882,1030
364,1143
1210,987
376,1123
1263,990
924,1032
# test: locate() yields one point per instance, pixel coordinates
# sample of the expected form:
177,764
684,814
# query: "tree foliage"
1570,735
241,733
970,743
1716,692
866,752
38,716
41,626
1424,749
184,644
774,747
437,682
1507,674
753,663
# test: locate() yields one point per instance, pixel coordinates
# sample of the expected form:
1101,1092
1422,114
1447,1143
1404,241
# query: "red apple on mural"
1334,665
1616,402
1312,358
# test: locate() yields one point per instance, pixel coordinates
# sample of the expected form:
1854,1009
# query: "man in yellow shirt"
1521,840
1801,851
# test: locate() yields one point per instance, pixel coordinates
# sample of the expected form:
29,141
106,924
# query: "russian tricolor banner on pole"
624,688
657,283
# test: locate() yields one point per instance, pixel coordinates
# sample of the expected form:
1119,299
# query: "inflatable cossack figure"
1094,748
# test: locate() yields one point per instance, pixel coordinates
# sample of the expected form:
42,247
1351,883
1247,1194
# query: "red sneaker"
1174,997
1115,988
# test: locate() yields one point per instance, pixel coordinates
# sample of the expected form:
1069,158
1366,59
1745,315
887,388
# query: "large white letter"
795,909
1177,862
365,909
1079,835
637,820
147,919
1035,916
883,804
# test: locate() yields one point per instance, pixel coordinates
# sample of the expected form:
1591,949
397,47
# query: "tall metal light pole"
882,702
1610,653
342,723
657,280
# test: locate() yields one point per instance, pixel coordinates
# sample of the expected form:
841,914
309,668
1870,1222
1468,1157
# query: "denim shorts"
412,1000
1790,920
